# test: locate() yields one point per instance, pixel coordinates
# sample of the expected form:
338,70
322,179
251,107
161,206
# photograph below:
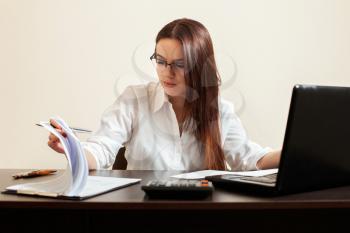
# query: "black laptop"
316,147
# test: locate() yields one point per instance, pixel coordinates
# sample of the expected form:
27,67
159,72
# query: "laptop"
316,148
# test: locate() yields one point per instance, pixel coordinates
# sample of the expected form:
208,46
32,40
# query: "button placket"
178,148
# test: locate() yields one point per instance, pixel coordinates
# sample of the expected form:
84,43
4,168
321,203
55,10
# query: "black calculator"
179,189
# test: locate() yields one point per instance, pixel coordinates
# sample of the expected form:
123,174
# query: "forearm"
270,160
90,160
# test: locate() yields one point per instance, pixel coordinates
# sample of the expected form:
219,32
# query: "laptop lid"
316,147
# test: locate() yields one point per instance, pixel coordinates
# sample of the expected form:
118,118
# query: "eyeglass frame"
174,65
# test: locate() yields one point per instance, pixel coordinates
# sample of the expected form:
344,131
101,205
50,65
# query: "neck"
177,102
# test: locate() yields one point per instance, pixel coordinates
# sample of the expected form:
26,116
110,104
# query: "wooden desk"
321,211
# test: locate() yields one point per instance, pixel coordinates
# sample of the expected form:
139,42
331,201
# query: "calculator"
179,189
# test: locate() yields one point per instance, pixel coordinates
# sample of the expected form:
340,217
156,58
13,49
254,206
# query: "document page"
202,174
100,184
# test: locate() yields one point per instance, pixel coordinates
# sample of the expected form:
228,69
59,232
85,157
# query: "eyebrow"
180,59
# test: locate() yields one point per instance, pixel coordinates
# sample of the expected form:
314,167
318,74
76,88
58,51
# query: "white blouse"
142,119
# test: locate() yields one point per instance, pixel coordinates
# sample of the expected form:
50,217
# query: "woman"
180,122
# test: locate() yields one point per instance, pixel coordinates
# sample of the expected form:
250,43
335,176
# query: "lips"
170,84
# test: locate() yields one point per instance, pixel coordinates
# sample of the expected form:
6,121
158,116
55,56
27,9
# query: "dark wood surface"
133,197
129,209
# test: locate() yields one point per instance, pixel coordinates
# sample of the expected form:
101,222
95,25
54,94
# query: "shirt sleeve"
114,131
241,154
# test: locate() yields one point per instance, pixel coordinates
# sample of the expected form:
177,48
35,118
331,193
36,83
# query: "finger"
52,137
55,124
60,148
59,128
57,147
54,141
64,134
49,143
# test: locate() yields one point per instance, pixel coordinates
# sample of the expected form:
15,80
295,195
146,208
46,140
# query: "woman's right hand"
54,142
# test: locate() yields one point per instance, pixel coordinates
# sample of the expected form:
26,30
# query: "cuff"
86,148
261,154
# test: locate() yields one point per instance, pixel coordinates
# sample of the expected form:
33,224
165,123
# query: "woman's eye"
179,65
160,62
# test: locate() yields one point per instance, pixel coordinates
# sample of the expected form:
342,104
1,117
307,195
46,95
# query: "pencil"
78,130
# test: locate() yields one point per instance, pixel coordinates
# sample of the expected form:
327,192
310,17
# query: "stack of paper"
74,182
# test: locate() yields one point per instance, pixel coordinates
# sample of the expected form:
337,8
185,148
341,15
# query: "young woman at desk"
180,122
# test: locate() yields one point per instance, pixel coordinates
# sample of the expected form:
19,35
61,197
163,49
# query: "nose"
169,71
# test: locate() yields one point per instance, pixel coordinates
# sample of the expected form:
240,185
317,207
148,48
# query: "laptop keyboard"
268,179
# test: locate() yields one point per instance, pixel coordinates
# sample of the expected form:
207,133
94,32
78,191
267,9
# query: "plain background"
72,58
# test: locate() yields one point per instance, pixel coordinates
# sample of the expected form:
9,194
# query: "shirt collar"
160,98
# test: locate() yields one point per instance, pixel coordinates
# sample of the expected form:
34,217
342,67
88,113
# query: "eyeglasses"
162,64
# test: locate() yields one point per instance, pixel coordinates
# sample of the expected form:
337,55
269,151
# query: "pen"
78,130
34,173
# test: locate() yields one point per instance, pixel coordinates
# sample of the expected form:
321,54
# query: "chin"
170,92
173,92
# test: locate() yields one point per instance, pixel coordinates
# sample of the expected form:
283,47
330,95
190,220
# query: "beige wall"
71,58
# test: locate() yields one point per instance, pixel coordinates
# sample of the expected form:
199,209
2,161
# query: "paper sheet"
202,174
99,184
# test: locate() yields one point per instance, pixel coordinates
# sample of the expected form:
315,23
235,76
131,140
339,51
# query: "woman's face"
171,77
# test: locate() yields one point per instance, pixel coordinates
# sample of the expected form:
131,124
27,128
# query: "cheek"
181,78
159,74
182,83
182,86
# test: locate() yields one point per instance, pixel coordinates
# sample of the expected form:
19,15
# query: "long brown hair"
202,81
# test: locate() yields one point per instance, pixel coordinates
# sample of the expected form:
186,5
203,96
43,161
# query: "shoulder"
229,121
139,97
226,108
228,116
139,91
